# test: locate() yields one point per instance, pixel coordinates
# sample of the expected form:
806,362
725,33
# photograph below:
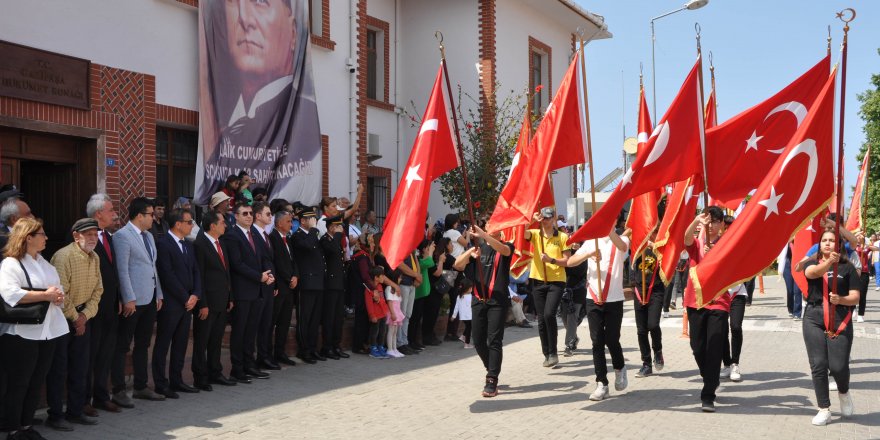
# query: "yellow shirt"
80,275
553,246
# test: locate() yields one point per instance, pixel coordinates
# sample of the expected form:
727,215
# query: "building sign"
37,75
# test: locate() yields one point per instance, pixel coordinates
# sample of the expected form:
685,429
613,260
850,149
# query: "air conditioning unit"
373,148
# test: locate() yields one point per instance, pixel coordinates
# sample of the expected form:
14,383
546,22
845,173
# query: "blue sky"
758,47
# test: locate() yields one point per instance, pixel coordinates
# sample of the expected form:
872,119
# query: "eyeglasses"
246,213
40,233
189,222
147,213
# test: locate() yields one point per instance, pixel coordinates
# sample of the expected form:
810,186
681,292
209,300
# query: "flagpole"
467,186
702,121
864,213
582,53
840,157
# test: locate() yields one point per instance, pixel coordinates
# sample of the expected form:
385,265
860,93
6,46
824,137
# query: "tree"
870,113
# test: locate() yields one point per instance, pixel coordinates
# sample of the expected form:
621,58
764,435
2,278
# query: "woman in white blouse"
26,350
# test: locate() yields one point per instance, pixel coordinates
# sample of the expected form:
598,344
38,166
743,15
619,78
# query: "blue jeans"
793,295
877,271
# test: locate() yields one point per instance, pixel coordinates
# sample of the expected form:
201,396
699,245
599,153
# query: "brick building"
110,100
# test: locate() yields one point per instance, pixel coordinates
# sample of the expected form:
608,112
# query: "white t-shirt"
390,295
615,286
453,235
463,307
739,289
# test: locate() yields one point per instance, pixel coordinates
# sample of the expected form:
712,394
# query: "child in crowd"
377,310
463,309
393,320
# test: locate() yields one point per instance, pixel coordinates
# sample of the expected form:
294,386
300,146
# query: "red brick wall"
362,95
486,26
325,165
324,40
177,115
123,107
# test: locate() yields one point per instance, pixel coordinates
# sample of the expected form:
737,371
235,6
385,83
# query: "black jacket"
216,283
334,277
309,258
178,272
246,264
109,305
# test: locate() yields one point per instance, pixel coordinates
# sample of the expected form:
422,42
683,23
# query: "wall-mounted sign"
37,75
111,162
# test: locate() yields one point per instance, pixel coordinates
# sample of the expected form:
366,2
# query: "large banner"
257,105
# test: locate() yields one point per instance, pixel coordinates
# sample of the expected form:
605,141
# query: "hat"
307,211
218,198
8,193
335,220
548,212
84,224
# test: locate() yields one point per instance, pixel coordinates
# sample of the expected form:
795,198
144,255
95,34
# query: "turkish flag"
681,207
672,153
643,215
741,151
433,154
558,142
805,238
797,187
854,221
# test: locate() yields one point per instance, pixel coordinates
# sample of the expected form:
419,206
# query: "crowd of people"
165,277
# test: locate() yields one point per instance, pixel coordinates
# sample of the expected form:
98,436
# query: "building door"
57,174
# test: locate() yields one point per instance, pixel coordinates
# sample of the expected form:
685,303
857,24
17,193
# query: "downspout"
352,65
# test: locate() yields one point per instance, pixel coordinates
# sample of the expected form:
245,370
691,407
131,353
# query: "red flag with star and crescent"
672,153
643,214
797,187
740,152
854,221
558,143
809,235
433,154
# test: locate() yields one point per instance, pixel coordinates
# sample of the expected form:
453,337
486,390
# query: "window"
540,60
378,192
316,22
175,163
372,64
319,23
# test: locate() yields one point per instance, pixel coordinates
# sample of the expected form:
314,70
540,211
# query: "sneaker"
461,338
645,371
822,417
59,425
832,385
735,374
665,314
491,388
877,288
672,306
552,360
575,345
466,345
375,353
659,362
708,406
601,392
546,361
567,352
620,381
860,318
846,404
383,352
396,354
725,372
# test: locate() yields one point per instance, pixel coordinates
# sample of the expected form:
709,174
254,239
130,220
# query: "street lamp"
690,6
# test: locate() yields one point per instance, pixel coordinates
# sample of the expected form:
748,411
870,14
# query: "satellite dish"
630,145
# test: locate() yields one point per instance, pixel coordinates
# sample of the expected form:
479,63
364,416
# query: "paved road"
437,394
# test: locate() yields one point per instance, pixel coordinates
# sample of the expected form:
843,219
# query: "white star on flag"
772,203
412,174
627,178
752,142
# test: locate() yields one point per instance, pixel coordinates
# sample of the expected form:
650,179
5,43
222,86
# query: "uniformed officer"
309,257
334,289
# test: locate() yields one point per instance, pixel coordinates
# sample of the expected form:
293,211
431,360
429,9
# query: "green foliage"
870,113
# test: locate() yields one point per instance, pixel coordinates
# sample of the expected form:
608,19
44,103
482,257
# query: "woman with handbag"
29,324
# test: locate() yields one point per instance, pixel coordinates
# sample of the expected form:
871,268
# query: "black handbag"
30,313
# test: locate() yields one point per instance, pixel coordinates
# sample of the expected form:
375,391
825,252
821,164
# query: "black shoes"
285,360
659,363
308,358
434,342
341,353
241,378
184,388
221,380
645,371
253,372
168,392
708,406
204,386
329,354
269,364
491,388
317,356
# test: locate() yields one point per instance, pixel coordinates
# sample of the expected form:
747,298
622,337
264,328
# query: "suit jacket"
109,304
178,272
267,290
309,258
282,258
138,278
246,264
334,276
216,284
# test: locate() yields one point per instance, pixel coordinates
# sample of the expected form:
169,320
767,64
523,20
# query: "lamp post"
690,6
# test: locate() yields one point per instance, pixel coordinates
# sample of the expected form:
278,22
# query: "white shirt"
739,289
264,95
177,240
463,307
615,285
13,287
453,235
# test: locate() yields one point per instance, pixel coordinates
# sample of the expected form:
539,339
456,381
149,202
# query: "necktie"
182,246
266,236
251,241
147,244
220,253
106,241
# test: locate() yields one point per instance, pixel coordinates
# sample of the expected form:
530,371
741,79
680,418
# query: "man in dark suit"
286,279
182,287
309,258
105,323
262,222
212,309
334,289
250,269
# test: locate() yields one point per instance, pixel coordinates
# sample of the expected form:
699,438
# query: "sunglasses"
246,213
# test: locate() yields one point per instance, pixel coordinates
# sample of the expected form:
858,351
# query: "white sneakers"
860,318
601,392
822,417
735,374
832,385
466,345
846,404
665,314
725,372
620,381
395,354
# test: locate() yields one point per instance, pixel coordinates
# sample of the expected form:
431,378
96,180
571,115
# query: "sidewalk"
437,394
